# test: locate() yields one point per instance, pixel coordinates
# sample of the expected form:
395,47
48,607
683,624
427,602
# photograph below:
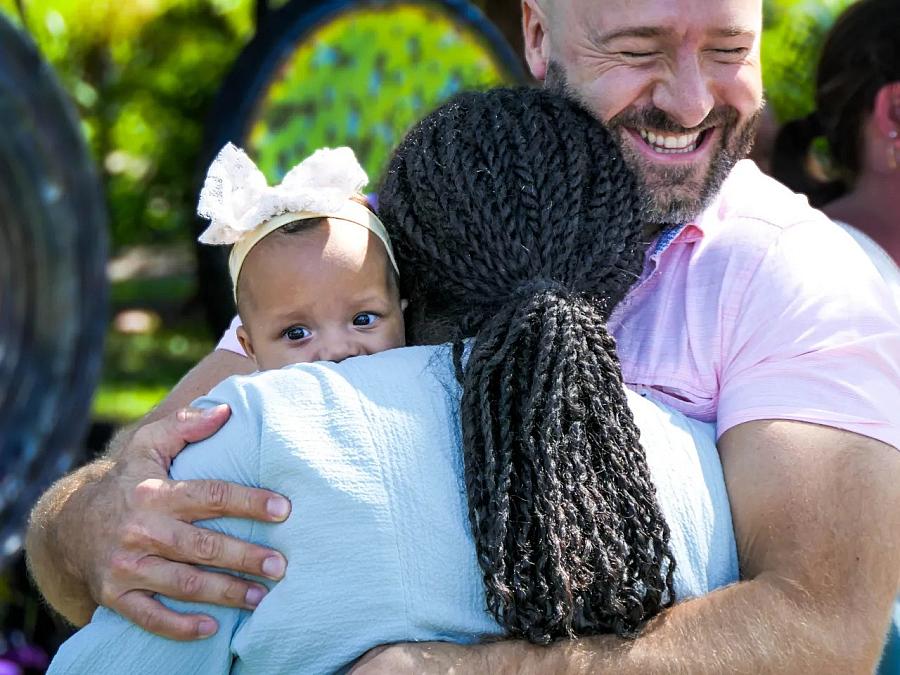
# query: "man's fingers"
193,584
199,546
151,615
201,499
168,436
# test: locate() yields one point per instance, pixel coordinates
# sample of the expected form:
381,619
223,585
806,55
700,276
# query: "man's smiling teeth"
671,144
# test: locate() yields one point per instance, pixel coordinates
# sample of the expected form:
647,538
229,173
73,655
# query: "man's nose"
337,350
685,95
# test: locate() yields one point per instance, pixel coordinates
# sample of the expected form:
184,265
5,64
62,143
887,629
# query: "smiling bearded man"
681,169
682,122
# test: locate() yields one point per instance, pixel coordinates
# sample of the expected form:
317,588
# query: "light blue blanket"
378,543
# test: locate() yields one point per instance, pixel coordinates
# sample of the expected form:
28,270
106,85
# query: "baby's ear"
244,338
403,305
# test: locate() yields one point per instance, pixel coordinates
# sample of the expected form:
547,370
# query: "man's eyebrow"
602,39
734,31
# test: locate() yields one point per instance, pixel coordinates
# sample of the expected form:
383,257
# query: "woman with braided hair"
495,481
569,534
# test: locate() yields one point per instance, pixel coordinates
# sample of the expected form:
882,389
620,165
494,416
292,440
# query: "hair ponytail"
559,502
791,157
517,223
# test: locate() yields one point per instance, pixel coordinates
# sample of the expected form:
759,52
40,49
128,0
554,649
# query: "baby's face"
323,294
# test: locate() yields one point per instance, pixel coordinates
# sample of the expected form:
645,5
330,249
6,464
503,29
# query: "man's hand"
118,530
146,544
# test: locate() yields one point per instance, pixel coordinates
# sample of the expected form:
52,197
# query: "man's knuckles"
140,537
207,547
198,499
252,560
185,415
123,567
189,584
217,495
235,592
133,536
152,617
151,493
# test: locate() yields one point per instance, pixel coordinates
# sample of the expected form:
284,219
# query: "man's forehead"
659,15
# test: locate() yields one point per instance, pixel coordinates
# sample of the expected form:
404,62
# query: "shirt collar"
676,234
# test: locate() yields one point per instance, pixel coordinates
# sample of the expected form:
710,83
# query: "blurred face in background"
678,82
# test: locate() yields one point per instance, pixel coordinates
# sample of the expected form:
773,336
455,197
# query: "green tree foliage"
142,74
792,38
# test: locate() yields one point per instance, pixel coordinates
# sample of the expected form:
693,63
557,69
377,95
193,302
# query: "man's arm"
817,519
117,530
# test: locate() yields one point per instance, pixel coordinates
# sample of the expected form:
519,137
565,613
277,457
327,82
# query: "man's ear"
244,338
886,112
535,29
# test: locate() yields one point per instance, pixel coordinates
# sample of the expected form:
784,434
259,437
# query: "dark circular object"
53,288
343,72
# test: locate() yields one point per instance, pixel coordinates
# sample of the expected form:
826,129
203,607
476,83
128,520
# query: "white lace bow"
236,198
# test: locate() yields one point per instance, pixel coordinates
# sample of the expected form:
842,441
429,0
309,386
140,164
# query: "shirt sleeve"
112,644
229,341
816,339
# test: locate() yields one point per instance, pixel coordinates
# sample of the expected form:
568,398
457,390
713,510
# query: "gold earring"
892,151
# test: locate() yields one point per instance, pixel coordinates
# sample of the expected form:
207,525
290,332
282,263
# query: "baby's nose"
337,351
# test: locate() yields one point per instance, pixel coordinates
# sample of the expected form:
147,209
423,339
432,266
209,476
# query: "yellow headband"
351,212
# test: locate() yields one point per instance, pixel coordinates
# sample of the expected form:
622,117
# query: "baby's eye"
296,333
365,319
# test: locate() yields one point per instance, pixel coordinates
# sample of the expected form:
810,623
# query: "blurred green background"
143,75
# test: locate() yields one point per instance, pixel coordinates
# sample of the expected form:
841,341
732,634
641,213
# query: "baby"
314,273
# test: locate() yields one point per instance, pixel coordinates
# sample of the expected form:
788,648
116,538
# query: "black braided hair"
516,224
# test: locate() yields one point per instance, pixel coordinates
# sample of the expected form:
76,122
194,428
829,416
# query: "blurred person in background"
858,113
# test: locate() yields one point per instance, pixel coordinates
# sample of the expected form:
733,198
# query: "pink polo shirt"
761,309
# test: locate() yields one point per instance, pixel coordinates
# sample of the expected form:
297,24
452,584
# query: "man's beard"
672,194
